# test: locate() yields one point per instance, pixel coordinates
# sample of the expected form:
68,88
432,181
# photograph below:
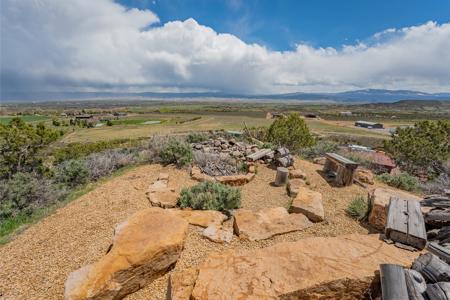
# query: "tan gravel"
36,264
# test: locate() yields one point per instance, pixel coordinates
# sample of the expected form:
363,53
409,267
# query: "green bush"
210,196
403,181
422,148
176,152
358,208
20,146
196,137
72,172
291,132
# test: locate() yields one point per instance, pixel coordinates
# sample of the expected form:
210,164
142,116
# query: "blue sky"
280,25
232,46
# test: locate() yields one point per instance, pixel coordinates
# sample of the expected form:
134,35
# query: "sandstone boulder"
218,233
296,173
181,284
236,180
309,203
294,186
144,247
267,223
202,218
312,268
379,201
364,175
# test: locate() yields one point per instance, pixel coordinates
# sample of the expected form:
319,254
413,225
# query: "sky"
231,46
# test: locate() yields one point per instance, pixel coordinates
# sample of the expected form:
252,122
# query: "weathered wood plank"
405,223
440,251
415,284
259,154
438,291
340,159
432,268
393,283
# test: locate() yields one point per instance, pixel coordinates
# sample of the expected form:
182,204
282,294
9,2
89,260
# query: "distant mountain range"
357,96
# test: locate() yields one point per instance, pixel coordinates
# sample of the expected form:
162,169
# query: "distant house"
345,113
370,125
84,117
275,115
119,114
311,116
383,162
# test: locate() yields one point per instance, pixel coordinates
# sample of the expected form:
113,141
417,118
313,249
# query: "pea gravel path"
36,264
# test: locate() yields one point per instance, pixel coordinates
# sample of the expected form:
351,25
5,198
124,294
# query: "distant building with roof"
370,125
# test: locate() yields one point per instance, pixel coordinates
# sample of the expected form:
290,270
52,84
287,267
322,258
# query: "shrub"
319,149
72,172
79,150
210,196
403,181
24,192
421,148
176,152
437,185
104,163
20,144
259,133
291,132
196,137
358,208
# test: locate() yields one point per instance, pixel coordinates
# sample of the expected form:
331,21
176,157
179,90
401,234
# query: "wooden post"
393,283
282,176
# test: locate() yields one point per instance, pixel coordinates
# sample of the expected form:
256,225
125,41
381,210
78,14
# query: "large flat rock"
379,202
266,223
144,247
313,267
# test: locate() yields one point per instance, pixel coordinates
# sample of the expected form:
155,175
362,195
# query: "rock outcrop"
309,203
196,174
267,223
313,267
144,247
379,202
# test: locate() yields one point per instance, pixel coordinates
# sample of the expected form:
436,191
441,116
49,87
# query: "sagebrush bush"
72,172
210,196
24,192
402,181
437,185
319,149
358,208
106,162
176,152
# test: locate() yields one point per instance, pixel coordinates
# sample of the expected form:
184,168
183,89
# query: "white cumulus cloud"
77,45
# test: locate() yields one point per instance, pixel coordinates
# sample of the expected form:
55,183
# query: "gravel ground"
36,264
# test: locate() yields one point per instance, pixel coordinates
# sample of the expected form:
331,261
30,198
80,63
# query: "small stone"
218,233
198,146
224,146
296,173
252,169
163,176
320,160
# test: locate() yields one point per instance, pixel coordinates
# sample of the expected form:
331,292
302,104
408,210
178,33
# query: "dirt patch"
36,264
